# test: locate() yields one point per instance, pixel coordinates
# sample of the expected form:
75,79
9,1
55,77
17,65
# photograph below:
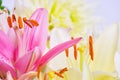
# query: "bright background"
107,9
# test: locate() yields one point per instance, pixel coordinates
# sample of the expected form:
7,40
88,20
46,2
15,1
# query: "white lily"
104,49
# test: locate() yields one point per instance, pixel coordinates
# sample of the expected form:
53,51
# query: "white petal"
58,35
117,62
86,74
73,74
104,50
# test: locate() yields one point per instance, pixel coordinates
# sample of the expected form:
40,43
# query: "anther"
91,52
20,23
45,76
28,22
9,21
67,52
13,18
63,70
35,23
75,50
58,74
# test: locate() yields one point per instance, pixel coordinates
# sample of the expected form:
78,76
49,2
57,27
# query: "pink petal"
57,50
6,46
28,75
37,36
23,63
6,66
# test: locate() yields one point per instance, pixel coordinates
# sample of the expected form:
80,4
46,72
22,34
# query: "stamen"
13,18
35,23
38,74
24,19
75,50
63,70
67,52
45,76
91,52
9,21
20,22
58,74
28,22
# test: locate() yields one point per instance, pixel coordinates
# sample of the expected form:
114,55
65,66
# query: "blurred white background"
109,10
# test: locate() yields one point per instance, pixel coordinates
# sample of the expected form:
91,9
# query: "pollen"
91,52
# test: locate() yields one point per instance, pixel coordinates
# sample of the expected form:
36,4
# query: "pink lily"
21,50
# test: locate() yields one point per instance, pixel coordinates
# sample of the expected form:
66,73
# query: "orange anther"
20,23
24,19
75,50
91,52
39,72
13,18
67,52
9,21
45,77
63,70
58,74
35,23
28,22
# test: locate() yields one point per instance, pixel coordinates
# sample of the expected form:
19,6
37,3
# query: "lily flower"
22,47
104,50
97,63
